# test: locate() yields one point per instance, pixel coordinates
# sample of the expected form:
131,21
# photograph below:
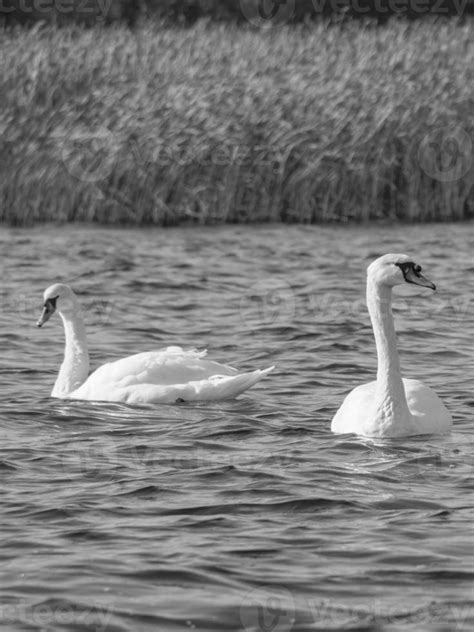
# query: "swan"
165,376
391,406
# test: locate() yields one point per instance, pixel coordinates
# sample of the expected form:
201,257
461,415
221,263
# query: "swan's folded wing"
168,366
354,414
215,388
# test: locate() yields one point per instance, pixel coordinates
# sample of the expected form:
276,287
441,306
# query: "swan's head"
395,269
57,297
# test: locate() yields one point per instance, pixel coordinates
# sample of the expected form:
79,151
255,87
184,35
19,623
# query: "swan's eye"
405,266
408,266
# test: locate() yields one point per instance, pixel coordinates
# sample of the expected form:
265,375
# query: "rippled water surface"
247,514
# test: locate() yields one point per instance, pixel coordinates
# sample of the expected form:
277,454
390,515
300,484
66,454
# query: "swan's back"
167,366
167,375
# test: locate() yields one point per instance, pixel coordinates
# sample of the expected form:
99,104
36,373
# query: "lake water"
248,514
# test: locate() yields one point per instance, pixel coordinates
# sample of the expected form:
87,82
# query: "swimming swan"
164,376
390,406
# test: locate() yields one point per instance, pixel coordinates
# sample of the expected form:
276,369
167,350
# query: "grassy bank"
216,123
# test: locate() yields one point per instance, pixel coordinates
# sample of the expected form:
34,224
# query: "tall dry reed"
224,124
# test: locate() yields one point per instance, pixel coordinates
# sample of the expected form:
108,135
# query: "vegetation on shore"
218,123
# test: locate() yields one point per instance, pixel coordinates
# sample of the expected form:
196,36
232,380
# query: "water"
248,514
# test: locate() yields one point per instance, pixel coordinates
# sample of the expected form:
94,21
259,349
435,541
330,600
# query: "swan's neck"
75,367
391,400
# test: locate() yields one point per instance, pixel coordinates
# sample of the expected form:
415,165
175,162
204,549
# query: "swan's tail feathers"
220,387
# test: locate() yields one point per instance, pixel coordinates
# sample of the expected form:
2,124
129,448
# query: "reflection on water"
240,515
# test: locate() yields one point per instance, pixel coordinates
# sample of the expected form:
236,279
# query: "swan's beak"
48,310
412,276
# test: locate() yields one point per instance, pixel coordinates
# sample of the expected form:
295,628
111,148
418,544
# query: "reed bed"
218,123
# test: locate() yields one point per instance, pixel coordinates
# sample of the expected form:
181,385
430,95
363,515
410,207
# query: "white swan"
390,406
164,376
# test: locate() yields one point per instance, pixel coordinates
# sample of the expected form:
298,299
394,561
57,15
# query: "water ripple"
244,515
